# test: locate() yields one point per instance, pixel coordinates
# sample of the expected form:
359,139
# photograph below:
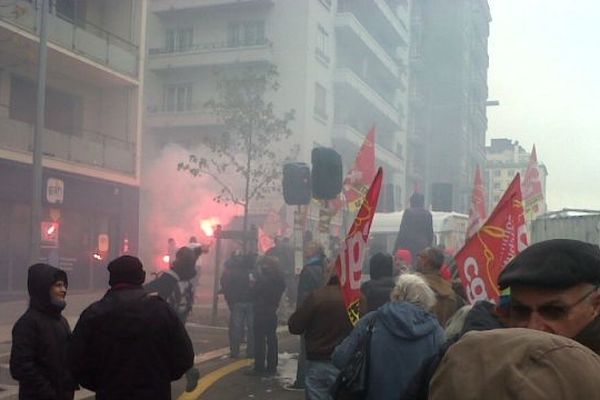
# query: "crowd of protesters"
541,340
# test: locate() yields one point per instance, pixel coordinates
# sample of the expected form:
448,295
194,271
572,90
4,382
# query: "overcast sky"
545,71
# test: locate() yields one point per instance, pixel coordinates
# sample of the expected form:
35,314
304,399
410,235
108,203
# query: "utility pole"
36,204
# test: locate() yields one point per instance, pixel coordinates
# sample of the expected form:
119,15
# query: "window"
322,49
64,111
180,39
497,172
320,101
177,98
248,33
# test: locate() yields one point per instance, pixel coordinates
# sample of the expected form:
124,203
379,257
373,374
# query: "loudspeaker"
326,173
296,184
441,197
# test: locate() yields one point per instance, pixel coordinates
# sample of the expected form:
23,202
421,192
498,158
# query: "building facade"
504,159
92,136
342,67
448,95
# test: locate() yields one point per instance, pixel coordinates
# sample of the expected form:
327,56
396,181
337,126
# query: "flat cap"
557,263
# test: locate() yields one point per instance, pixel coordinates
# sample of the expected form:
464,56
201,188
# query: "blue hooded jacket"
404,335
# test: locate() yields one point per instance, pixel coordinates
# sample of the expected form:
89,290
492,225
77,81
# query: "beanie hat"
404,255
126,269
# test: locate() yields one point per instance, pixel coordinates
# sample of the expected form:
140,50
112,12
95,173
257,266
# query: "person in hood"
39,338
377,291
129,345
517,364
429,264
405,334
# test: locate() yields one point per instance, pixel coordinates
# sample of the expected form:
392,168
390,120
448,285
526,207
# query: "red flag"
359,177
533,194
348,264
487,252
477,212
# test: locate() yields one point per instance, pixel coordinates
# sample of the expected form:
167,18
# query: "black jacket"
268,291
39,341
235,282
129,345
416,231
377,292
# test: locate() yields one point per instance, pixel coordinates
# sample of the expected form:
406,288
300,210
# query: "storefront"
85,223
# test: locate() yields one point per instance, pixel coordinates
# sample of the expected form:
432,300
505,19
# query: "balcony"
89,48
209,54
379,19
349,86
355,138
168,6
197,116
346,23
87,148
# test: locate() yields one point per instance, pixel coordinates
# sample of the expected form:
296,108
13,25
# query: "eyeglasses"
551,312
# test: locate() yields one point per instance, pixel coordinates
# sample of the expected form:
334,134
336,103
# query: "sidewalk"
12,310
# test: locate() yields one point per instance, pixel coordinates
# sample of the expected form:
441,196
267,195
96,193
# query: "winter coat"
377,292
236,284
482,317
39,342
268,291
285,256
516,364
323,321
416,231
447,302
311,278
590,336
404,336
179,294
130,345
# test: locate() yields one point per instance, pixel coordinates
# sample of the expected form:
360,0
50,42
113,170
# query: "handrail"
207,46
98,30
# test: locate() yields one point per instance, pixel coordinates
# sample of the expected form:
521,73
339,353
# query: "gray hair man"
554,288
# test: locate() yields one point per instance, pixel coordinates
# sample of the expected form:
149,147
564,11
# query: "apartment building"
448,97
504,159
91,142
342,67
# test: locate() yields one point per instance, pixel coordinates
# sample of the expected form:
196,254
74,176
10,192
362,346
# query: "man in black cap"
554,288
129,345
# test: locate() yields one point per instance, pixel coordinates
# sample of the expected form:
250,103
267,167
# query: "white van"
449,229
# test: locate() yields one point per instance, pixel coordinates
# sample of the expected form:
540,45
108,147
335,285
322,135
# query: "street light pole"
36,204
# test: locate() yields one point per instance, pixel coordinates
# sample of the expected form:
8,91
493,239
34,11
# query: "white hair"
413,289
456,323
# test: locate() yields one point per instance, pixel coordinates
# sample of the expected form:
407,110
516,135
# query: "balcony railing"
205,47
79,36
86,146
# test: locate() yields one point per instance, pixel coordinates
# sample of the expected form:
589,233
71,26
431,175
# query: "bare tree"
252,146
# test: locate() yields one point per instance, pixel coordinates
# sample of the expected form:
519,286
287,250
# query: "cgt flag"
477,212
358,178
486,253
348,264
533,193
